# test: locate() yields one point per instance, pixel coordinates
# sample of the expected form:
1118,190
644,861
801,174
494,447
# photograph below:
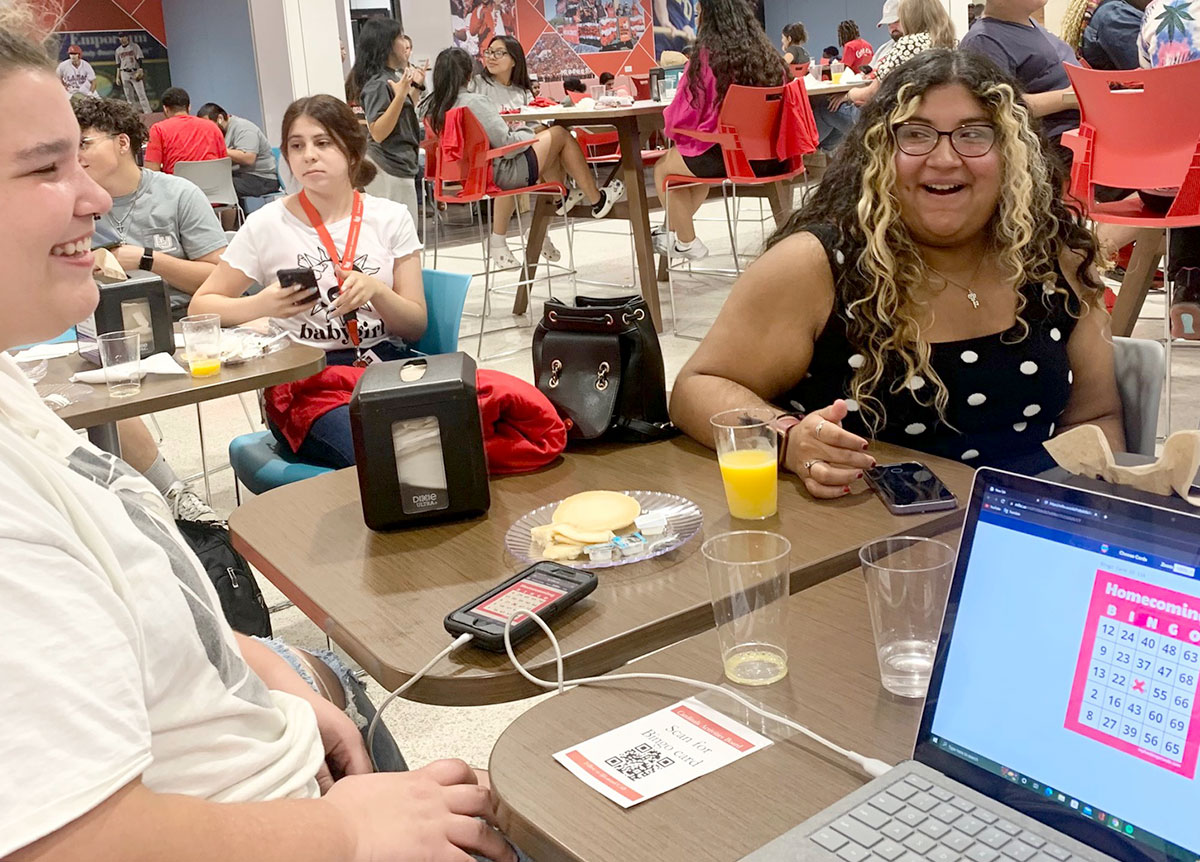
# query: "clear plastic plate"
684,520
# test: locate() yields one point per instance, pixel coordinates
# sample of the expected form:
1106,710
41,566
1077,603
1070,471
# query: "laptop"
1061,719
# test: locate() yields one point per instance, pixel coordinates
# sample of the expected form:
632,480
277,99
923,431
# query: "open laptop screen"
1066,678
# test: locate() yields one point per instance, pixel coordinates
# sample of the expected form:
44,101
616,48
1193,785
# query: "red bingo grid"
1135,683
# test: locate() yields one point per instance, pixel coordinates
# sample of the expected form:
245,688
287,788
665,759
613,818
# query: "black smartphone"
302,280
910,488
546,588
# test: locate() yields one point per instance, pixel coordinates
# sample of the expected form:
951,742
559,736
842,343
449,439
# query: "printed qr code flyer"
1136,679
660,752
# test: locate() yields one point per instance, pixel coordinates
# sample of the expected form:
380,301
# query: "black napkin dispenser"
138,304
418,441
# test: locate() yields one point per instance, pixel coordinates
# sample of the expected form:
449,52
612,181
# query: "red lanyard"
346,261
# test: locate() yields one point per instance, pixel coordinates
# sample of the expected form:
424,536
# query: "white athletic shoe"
186,505
669,245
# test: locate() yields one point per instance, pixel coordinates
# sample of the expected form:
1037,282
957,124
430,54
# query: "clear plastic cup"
202,343
597,91
748,575
836,70
121,356
908,579
747,450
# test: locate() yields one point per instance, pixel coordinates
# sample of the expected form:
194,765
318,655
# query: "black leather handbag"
600,364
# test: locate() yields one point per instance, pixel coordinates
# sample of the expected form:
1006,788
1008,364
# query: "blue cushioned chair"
258,202
261,463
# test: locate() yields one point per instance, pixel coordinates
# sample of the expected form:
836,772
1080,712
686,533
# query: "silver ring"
820,425
808,465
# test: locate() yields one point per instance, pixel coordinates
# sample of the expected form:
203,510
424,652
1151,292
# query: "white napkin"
47,351
849,77
159,363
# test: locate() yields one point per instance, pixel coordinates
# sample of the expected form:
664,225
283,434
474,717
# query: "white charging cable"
459,641
870,765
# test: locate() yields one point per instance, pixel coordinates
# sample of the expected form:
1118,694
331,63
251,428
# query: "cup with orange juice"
747,450
836,70
202,343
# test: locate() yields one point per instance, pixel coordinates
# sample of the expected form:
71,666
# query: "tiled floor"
428,732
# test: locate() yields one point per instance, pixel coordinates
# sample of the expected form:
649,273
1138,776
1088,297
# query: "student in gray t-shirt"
163,223
386,85
254,173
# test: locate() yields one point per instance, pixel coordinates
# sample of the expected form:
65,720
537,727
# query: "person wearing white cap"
891,20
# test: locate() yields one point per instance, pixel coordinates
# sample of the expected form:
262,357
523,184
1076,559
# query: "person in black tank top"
935,293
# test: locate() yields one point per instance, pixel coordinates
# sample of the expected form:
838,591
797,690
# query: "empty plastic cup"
748,575
121,356
908,579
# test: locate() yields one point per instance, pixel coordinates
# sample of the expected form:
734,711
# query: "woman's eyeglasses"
970,141
495,55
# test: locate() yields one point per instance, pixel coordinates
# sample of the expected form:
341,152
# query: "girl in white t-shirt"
371,300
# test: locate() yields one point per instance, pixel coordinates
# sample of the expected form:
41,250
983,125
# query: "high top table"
383,596
633,124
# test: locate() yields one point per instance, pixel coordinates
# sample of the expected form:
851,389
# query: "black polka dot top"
1005,395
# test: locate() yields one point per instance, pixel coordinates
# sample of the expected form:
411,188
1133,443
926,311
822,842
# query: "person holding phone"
386,85
936,293
364,258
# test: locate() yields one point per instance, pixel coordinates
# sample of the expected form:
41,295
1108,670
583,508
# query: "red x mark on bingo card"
1139,685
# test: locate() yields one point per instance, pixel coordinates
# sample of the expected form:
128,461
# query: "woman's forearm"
698,397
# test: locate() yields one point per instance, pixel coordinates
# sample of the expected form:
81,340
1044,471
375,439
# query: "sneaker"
669,245
549,250
186,505
573,199
500,254
610,196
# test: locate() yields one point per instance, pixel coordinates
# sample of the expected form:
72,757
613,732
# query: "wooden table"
98,412
633,124
383,596
832,687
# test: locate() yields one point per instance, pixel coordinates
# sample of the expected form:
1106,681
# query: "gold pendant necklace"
968,288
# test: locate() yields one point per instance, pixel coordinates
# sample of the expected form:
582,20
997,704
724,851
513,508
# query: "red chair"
465,177
1139,130
748,129
799,70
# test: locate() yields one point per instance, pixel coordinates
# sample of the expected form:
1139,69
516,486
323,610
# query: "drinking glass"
202,341
748,575
908,579
836,70
121,356
747,450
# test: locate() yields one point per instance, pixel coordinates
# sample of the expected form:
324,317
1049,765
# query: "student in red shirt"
856,51
182,137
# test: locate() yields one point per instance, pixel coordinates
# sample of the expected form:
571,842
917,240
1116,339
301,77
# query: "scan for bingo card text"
1135,683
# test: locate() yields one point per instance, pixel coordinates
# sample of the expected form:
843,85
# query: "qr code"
640,761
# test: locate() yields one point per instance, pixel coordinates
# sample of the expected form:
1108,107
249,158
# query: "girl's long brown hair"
736,49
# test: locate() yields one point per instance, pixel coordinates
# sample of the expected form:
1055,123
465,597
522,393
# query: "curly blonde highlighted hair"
24,38
1029,231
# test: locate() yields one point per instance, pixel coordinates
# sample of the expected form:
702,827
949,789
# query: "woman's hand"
345,752
826,456
357,290
400,88
284,302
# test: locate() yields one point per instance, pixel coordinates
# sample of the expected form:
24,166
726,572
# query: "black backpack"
241,599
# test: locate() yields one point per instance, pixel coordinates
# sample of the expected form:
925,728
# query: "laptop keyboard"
914,820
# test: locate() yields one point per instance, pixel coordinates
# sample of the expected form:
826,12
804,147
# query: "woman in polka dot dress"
934,293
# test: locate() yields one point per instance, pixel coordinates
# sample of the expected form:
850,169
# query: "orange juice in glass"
202,343
747,451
